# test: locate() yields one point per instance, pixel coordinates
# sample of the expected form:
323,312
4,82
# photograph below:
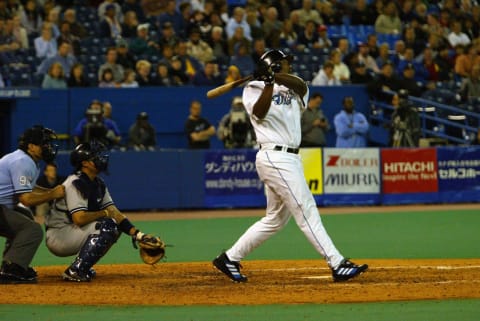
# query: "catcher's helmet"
40,136
94,151
273,57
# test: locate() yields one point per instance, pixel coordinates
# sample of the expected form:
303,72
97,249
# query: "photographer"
405,125
95,127
235,129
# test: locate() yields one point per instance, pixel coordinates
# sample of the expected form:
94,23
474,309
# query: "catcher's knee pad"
108,229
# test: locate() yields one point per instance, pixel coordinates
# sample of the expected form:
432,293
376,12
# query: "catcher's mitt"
152,248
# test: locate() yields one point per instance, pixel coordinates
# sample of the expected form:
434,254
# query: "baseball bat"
223,89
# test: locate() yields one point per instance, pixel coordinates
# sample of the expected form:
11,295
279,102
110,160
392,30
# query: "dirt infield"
270,282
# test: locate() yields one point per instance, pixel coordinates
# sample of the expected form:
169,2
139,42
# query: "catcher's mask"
40,136
274,57
93,151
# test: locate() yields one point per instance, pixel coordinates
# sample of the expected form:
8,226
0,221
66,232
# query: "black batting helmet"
273,57
93,151
40,136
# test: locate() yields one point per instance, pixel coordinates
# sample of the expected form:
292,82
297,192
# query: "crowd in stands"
128,43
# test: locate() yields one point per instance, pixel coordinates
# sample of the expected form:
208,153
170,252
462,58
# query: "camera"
94,116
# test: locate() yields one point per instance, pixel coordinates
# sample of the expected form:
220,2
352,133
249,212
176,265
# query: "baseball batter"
86,223
275,101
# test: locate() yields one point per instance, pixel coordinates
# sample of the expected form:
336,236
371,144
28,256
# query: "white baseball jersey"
282,123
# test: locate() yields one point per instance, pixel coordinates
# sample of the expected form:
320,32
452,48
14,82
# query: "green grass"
441,234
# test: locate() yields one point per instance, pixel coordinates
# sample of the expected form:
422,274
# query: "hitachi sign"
408,167
348,179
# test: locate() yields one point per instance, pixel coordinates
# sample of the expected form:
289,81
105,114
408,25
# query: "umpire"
19,171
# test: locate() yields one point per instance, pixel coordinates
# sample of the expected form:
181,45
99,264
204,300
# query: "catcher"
86,222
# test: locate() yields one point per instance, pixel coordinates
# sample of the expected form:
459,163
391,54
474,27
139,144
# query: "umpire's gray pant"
23,234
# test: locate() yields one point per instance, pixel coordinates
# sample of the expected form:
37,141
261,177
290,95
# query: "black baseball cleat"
12,273
91,274
73,275
229,268
347,270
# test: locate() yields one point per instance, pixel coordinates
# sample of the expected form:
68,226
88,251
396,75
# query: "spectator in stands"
198,48
372,44
351,126
111,63
398,52
142,44
309,38
110,25
233,74
308,13
470,87
77,29
288,36
173,16
272,28
445,64
219,45
180,77
19,32
331,14
362,14
45,44
168,36
343,46
407,81
52,16
167,53
323,40
129,25
129,80
31,17
295,19
95,126
209,76
64,56
360,75
124,57
55,78
421,73
434,27
107,80
429,65
67,36
108,5
465,61
190,65
152,8
389,22
254,18
185,8
238,37
383,54
314,123
243,60
325,76
163,76
457,36
340,69
365,57
259,48
143,68
198,129
77,76
385,81
411,41
470,28
141,134
237,20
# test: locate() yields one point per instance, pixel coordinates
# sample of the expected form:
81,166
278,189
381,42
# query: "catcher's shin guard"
95,247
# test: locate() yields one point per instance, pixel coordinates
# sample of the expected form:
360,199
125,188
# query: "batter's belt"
277,147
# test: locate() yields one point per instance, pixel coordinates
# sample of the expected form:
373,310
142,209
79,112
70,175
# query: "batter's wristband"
125,226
